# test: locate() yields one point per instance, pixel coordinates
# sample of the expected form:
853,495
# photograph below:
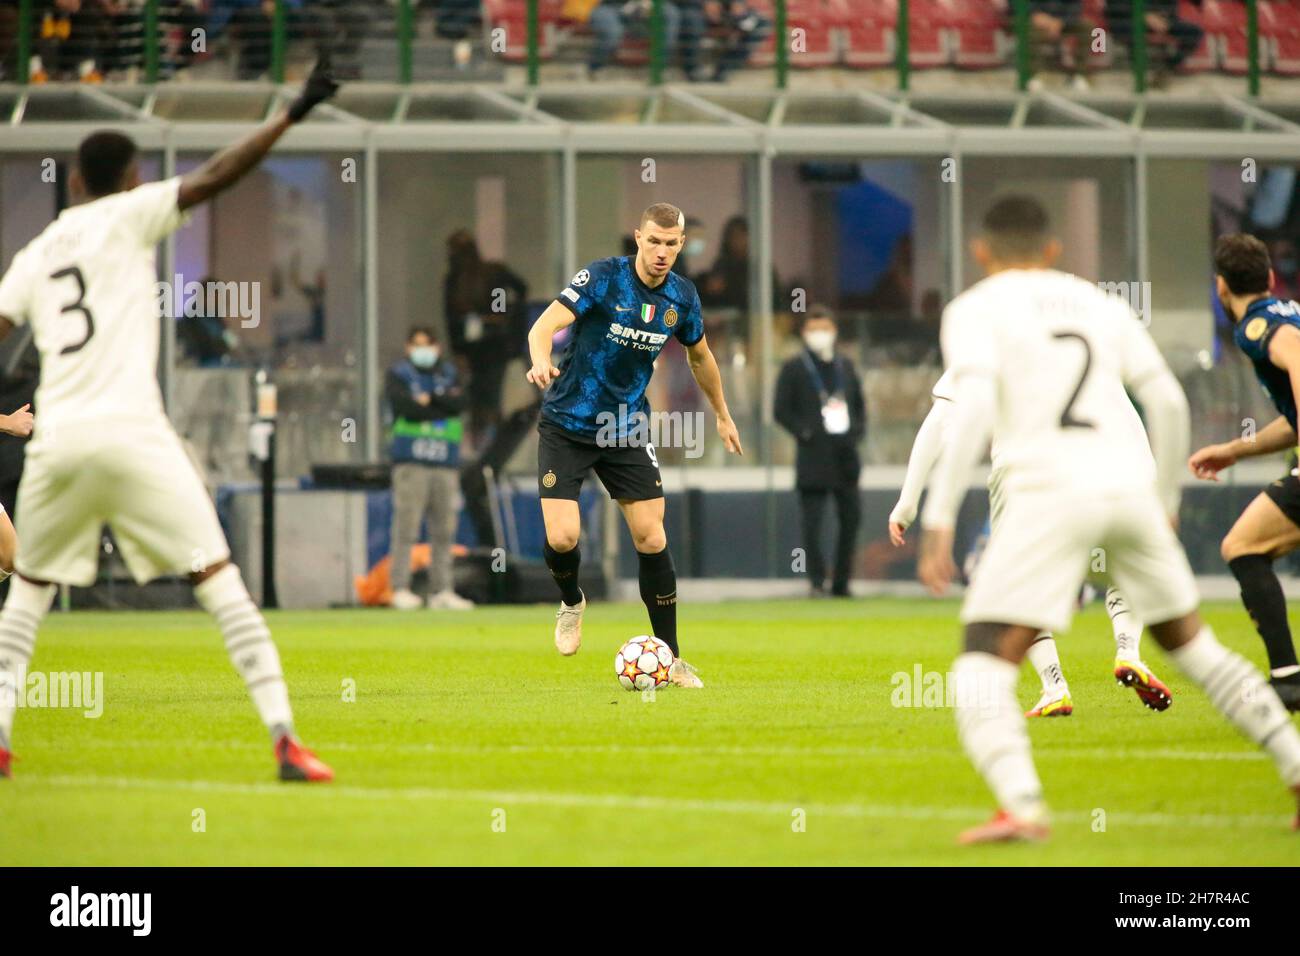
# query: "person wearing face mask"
425,397
819,402
697,240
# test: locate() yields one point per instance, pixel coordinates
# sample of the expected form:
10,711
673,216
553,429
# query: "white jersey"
88,287
1061,352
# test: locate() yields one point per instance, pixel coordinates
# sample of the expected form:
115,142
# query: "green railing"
404,31
1023,40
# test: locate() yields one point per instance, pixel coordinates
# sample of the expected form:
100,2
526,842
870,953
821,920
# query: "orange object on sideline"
375,589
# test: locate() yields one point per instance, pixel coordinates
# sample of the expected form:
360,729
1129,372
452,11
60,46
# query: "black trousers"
812,505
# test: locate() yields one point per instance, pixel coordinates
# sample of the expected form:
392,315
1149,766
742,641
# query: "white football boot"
683,674
1053,703
405,600
568,627
449,600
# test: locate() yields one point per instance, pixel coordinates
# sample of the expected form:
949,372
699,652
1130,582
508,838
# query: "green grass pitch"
471,741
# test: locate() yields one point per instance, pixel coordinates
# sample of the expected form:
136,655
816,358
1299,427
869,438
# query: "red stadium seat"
815,18
927,34
872,38
817,44
513,16
1279,31
869,44
978,29
1204,56
1224,22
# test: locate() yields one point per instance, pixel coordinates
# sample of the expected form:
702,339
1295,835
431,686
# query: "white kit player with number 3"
104,452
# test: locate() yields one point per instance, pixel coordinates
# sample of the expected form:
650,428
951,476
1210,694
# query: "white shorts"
997,497
1046,543
133,476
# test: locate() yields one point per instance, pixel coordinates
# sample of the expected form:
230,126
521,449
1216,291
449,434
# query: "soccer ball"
642,663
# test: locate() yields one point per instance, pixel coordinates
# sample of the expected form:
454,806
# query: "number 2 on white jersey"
1067,414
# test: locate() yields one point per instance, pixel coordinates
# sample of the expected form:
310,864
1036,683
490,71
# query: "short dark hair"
664,215
103,159
424,330
1243,262
817,311
1016,227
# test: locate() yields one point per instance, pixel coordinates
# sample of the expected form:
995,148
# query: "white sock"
1127,628
992,731
23,610
248,642
1045,660
1243,696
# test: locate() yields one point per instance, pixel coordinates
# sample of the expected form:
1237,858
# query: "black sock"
564,568
1261,592
659,592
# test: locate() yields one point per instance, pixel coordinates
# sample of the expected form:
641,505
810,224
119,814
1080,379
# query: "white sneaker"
449,600
405,600
683,674
568,627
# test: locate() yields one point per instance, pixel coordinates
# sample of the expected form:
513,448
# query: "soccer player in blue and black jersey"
1267,329
595,414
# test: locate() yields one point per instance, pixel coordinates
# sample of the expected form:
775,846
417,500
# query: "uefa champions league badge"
1256,328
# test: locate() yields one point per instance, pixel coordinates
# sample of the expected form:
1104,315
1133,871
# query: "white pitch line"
1044,753
499,798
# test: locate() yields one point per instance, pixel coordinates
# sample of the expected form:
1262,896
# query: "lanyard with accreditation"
835,410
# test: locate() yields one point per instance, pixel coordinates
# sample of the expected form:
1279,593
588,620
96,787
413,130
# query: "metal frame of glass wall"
571,121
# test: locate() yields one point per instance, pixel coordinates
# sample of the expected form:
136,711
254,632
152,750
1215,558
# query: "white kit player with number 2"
1040,363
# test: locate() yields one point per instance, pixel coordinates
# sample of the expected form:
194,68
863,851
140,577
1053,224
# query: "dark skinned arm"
229,165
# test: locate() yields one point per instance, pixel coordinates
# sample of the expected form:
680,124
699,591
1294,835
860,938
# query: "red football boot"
1144,682
298,763
1004,828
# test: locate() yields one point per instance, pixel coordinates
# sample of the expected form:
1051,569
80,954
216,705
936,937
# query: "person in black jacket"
485,305
819,401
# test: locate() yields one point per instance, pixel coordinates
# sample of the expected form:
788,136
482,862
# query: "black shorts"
564,458
1285,493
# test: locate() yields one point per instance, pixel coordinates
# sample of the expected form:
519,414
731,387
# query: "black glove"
319,87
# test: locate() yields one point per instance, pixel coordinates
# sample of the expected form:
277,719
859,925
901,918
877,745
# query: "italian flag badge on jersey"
647,312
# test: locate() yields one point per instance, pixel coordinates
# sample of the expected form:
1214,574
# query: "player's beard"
649,265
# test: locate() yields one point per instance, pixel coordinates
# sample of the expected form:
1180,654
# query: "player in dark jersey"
594,414
1267,329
